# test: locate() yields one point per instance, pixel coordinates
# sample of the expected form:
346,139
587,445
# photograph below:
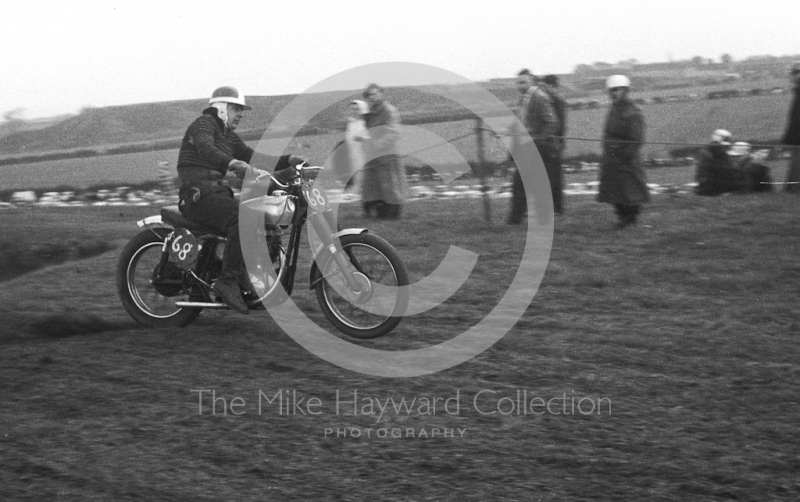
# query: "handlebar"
305,168
300,168
263,174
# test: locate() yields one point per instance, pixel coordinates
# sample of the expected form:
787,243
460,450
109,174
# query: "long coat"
384,175
622,178
792,134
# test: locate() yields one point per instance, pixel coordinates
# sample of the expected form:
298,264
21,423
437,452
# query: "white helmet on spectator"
721,136
228,94
615,81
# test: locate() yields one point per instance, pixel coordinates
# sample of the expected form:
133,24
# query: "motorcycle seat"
172,216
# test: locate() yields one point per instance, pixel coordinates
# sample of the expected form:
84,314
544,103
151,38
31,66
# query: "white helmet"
617,81
228,94
721,136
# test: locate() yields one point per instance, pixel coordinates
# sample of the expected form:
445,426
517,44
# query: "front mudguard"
152,222
316,274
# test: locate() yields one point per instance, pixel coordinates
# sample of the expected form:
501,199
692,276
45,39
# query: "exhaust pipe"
202,305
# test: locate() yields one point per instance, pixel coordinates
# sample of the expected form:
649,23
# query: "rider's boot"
246,283
227,286
228,289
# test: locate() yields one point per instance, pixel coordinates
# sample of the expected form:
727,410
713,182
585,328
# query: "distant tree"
15,115
697,61
14,120
628,63
726,59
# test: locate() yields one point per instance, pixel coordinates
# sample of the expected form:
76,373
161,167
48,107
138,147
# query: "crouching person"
753,177
715,173
725,168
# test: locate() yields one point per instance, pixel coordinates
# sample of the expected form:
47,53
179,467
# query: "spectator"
623,182
752,176
722,168
538,116
792,135
384,184
550,86
715,173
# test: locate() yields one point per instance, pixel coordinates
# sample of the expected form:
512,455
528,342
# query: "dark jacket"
792,135
622,178
207,149
560,107
716,173
538,114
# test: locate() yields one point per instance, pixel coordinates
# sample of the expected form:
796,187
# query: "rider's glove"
239,167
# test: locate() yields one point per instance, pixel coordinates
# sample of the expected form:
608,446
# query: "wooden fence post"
482,170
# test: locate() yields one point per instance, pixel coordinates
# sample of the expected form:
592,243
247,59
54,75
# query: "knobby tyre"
381,271
149,302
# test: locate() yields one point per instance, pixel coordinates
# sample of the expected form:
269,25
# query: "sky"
59,57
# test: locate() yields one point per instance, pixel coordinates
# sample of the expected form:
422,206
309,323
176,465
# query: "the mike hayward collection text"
354,403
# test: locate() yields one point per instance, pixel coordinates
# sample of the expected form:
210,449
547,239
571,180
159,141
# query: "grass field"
742,85
686,326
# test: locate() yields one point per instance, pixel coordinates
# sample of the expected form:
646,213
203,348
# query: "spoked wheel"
150,301
377,305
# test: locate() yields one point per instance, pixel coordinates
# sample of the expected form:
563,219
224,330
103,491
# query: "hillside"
122,124
14,125
166,122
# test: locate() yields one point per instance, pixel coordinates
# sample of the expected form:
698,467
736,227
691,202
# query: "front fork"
323,223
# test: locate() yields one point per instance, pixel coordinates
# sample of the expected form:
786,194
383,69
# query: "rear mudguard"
316,275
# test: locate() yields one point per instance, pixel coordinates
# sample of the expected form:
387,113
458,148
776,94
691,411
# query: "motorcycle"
165,274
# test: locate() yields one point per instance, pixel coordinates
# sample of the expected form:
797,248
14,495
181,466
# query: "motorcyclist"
209,150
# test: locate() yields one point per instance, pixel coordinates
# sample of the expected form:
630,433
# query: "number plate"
316,197
183,248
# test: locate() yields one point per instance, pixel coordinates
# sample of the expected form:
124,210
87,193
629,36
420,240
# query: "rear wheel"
151,301
381,300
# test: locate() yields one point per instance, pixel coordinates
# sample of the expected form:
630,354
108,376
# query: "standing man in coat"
622,179
792,135
550,85
384,183
538,115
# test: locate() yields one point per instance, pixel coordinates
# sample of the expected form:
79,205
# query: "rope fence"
482,174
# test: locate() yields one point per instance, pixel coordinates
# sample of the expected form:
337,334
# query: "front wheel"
377,305
148,299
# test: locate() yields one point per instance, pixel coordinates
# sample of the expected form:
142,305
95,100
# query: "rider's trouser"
215,207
